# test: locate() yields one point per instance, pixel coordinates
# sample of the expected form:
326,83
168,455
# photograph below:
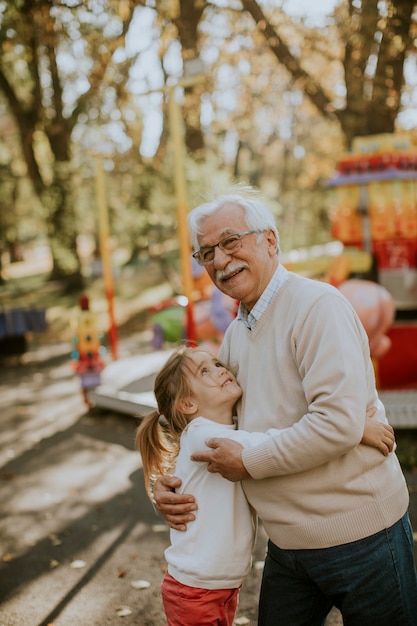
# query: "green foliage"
276,108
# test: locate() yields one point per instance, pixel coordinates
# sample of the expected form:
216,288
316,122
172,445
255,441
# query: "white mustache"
230,269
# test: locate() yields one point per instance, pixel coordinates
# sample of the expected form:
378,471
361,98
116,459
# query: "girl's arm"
379,435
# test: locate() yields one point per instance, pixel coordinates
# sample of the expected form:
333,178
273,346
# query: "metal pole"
177,135
363,211
105,255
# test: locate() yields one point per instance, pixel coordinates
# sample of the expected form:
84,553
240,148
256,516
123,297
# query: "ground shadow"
124,510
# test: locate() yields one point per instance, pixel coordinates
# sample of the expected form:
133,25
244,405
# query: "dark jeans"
373,582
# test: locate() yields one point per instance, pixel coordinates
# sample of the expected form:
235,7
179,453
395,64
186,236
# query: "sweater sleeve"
331,352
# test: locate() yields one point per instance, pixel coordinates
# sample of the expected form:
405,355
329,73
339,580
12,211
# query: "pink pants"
192,606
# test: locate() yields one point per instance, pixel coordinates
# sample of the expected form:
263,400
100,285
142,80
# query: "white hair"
258,215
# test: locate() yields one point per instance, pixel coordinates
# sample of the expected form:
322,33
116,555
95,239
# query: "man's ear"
272,240
187,406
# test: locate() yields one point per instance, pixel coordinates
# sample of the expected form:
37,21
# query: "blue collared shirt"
249,318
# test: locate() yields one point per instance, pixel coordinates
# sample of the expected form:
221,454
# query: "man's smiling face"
244,274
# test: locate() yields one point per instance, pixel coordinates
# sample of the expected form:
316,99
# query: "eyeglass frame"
196,254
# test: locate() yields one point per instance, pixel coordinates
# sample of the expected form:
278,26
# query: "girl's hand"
379,435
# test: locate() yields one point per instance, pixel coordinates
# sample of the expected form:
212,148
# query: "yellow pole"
105,255
176,131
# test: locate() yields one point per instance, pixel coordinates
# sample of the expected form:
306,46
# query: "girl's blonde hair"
158,435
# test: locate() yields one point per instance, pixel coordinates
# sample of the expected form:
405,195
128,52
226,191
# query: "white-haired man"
335,511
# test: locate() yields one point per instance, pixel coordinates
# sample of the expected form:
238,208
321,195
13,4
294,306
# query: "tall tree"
186,16
376,38
32,37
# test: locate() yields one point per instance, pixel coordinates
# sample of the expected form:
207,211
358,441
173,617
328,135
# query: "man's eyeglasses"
229,245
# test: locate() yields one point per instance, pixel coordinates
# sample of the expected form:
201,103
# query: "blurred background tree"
54,66
280,98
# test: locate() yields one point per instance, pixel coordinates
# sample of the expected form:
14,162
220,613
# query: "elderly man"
335,511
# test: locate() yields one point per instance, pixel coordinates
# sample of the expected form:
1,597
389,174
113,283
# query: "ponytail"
158,436
157,449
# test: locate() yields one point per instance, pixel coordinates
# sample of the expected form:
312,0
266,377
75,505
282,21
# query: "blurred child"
207,564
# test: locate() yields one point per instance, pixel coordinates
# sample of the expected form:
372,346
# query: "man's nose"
221,258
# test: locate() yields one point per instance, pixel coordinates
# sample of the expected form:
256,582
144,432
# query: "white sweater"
216,550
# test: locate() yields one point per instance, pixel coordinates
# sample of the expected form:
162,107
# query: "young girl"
207,564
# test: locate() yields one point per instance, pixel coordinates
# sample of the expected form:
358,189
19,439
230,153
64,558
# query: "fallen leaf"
121,574
240,621
7,558
140,584
53,563
123,611
78,564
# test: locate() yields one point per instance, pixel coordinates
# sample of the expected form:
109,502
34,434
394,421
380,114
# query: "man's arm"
225,456
176,508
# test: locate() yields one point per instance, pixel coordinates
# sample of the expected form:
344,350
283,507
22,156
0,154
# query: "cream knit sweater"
306,365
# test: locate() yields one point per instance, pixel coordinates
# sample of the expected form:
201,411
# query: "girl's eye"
204,371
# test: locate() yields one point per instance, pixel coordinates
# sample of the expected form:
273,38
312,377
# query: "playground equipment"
87,360
375,211
212,315
16,324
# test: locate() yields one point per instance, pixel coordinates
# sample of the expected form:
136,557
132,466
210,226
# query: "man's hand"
174,507
225,458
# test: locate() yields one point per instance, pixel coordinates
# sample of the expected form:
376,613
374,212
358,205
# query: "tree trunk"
389,76
57,198
187,25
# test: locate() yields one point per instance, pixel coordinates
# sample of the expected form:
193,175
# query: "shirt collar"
249,318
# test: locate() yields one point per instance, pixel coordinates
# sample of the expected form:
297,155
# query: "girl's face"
215,390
